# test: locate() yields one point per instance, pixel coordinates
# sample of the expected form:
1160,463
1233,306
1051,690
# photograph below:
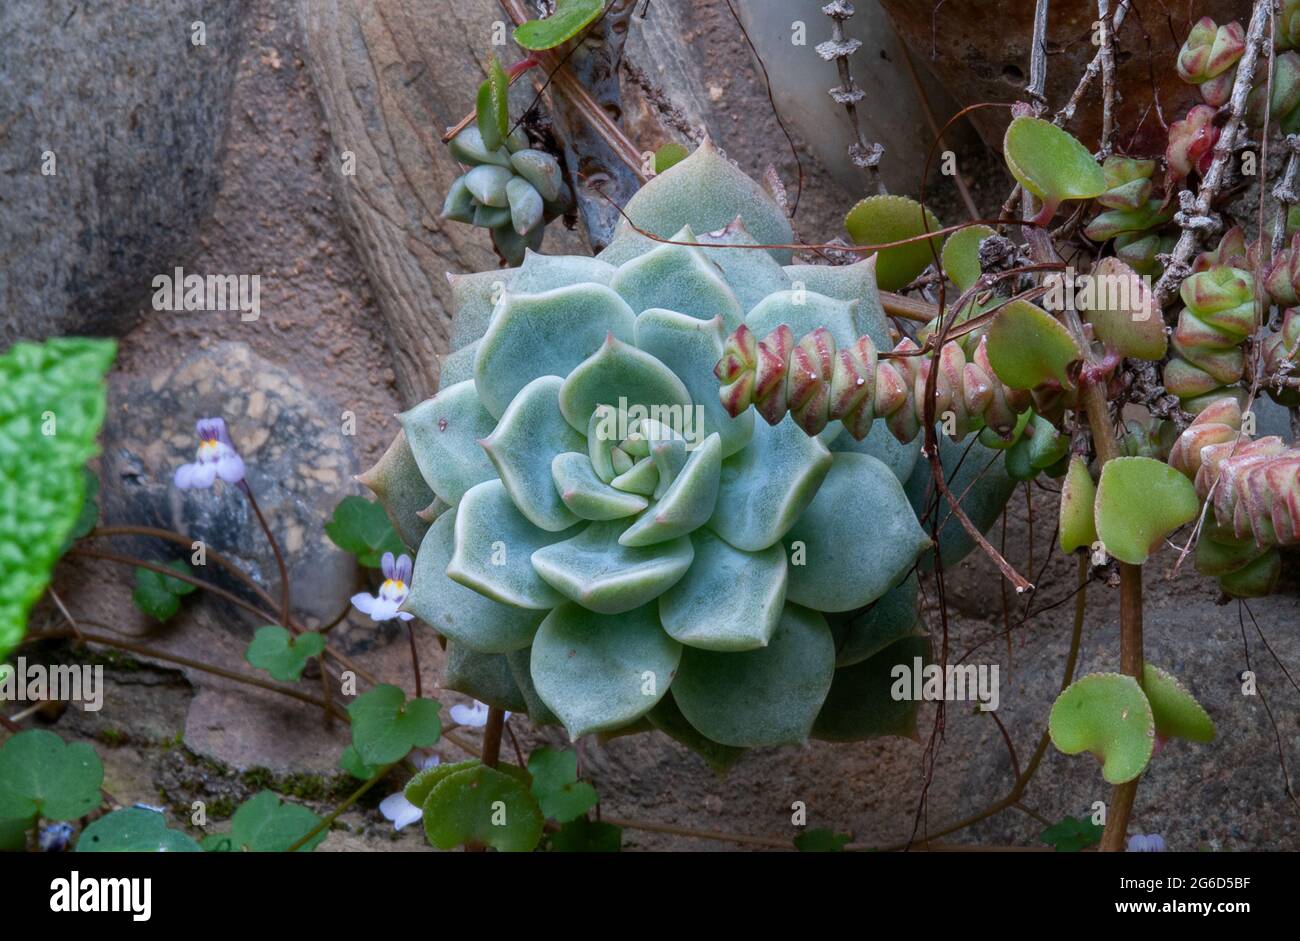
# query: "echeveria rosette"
611,533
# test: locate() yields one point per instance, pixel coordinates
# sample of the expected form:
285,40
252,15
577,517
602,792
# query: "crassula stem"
1130,618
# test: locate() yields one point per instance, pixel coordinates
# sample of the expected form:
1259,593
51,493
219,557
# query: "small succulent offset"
510,189
602,544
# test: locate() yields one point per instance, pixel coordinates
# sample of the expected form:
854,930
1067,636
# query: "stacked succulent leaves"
595,558
510,189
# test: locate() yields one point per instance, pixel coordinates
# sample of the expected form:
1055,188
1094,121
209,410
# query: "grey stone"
133,114
298,463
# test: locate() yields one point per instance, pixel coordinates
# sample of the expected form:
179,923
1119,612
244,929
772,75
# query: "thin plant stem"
337,811
285,598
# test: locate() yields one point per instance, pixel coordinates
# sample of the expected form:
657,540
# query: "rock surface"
299,465
130,115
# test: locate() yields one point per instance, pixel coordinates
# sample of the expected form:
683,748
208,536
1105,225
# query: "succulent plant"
1219,315
609,547
511,189
1209,57
1280,352
1284,101
1191,143
1130,214
816,383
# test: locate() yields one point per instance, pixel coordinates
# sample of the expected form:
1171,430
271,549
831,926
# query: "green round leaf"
570,18
385,727
1078,527
878,220
961,255
282,654
1176,711
587,836
361,527
485,806
41,775
1028,346
1140,501
266,824
134,830
1106,714
1051,164
556,786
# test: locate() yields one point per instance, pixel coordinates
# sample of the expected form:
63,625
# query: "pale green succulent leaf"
861,704
856,540
768,696
976,475
668,718
530,435
485,676
545,334
586,495
401,488
599,672
688,502
492,546
880,443
474,297
707,191
641,478
691,348
540,273
459,613
594,570
855,283
751,274
618,374
443,433
678,278
729,600
803,312
766,486
893,616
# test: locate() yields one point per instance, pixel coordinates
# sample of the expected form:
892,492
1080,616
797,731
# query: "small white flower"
216,457
1146,843
398,809
474,716
392,593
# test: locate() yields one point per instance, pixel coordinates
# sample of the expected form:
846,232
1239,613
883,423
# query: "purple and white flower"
1146,843
392,593
216,457
398,809
474,717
